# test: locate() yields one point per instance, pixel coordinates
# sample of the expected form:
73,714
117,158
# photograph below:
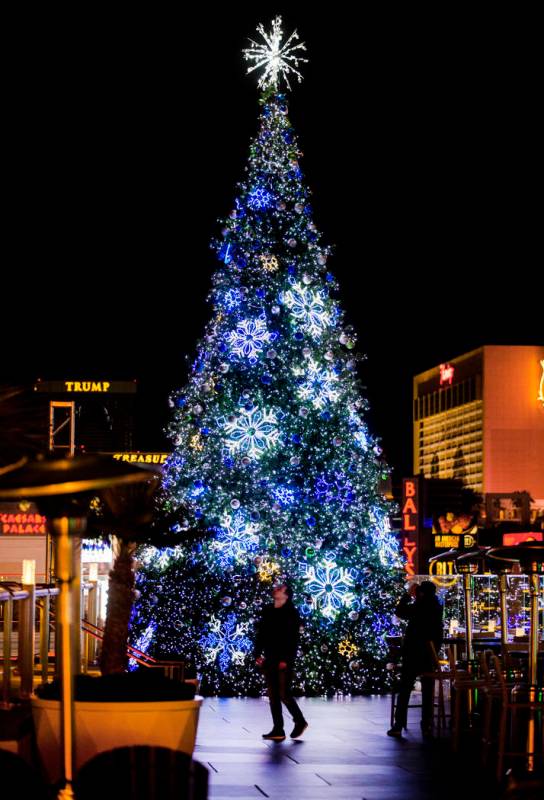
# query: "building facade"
480,419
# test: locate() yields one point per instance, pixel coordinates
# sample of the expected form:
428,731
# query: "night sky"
127,137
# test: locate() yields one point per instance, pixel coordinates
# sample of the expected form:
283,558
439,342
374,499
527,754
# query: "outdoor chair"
142,773
510,708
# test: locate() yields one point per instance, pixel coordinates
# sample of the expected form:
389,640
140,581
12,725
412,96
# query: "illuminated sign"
455,531
441,568
447,541
446,374
142,458
409,548
410,523
23,524
410,505
86,387
94,551
510,539
541,391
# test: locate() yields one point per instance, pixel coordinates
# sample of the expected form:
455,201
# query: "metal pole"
27,640
534,586
467,586
76,595
503,590
44,638
533,647
65,624
92,609
6,681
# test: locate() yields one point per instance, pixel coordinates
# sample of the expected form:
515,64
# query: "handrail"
138,655
98,633
11,592
7,593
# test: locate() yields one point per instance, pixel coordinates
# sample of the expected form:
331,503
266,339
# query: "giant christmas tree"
271,450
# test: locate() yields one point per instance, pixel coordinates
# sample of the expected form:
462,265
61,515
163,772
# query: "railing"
172,669
24,599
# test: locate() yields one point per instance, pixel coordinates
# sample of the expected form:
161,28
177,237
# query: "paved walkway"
344,755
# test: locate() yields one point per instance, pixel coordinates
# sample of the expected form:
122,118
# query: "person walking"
276,648
424,618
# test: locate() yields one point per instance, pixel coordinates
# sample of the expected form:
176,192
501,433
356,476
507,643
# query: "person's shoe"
299,729
396,730
275,736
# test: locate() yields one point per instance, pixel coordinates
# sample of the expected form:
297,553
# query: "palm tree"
132,516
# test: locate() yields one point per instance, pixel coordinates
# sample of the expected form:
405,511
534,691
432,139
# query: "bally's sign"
410,524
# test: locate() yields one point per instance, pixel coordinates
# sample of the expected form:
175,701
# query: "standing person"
276,649
424,625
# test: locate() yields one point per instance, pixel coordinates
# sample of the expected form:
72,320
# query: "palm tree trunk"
114,656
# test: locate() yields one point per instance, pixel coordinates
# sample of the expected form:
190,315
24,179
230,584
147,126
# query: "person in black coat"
424,618
276,648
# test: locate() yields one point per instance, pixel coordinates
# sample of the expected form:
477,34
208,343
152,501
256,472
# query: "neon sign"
410,510
87,386
541,391
409,548
142,458
23,524
446,374
410,524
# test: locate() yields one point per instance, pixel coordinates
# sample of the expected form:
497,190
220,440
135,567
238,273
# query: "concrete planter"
104,726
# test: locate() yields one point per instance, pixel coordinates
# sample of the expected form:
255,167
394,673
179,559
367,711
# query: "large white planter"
104,726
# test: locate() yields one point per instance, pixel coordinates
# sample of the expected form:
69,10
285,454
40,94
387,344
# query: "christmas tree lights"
271,449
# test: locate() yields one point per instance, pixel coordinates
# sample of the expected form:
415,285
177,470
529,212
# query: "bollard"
92,612
44,637
6,681
27,629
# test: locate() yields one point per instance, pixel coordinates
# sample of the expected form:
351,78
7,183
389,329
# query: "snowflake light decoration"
279,60
308,309
160,557
319,386
329,585
226,642
260,198
249,338
195,442
142,644
252,433
232,299
269,263
347,648
235,539
284,496
268,570
385,540
334,488
361,439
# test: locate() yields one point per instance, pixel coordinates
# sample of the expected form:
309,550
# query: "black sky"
126,139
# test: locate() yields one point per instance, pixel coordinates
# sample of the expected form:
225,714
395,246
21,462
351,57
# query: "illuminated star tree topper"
279,60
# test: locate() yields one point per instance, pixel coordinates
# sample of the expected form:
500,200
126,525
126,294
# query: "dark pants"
279,691
408,675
